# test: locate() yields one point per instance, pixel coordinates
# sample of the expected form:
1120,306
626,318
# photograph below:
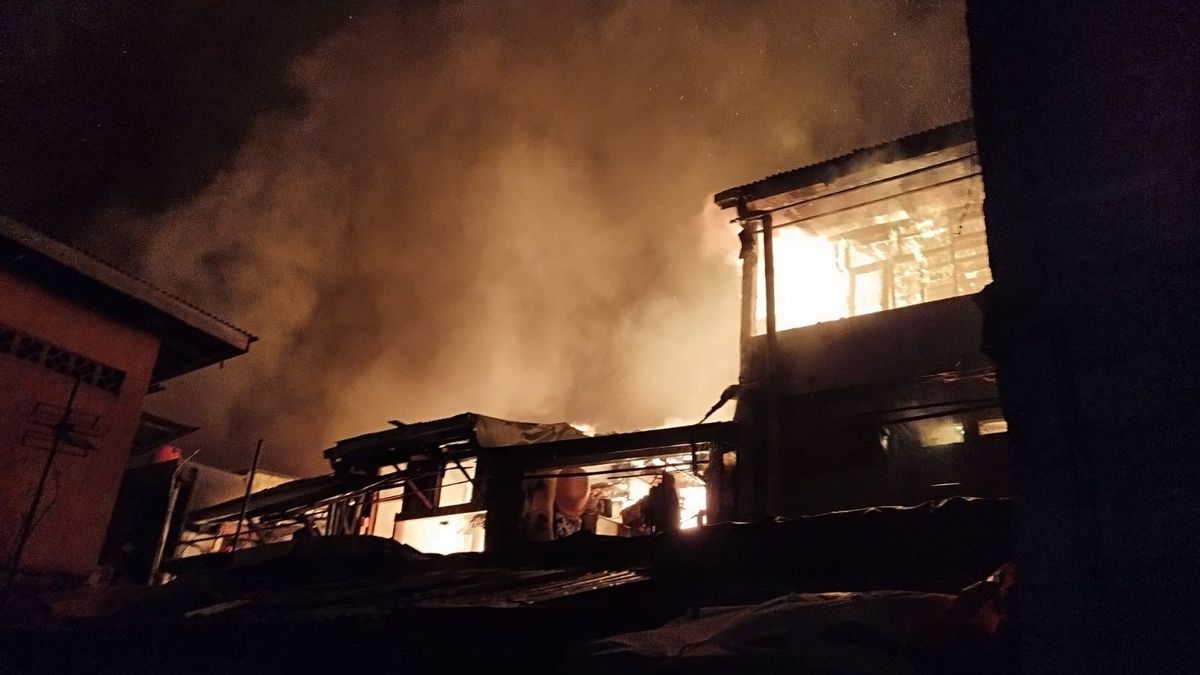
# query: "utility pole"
237,534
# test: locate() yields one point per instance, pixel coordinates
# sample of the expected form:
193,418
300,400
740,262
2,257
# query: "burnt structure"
862,381
457,484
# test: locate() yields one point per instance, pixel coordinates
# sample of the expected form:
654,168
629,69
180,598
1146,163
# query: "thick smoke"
504,209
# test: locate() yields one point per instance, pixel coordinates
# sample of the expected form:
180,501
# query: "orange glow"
455,533
867,262
810,284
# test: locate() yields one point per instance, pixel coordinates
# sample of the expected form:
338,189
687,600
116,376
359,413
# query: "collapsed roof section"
467,431
356,460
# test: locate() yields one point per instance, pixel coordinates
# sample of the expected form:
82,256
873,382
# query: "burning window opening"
458,483
388,503
626,490
997,425
919,246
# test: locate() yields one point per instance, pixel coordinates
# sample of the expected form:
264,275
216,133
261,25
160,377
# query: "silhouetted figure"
660,509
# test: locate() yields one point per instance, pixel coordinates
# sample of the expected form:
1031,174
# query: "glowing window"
457,483
993,426
456,533
925,245
387,505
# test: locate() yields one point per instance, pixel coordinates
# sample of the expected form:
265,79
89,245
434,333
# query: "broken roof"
395,445
552,444
191,337
630,444
820,177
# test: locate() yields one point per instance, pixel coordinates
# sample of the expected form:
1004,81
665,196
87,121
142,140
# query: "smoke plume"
504,208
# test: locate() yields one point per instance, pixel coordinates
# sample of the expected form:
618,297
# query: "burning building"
862,380
471,481
862,383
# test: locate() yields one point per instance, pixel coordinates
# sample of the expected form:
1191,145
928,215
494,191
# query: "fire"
893,259
811,284
584,428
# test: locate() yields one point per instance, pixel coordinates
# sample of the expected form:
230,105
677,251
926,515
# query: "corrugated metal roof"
84,261
547,587
72,272
489,588
830,169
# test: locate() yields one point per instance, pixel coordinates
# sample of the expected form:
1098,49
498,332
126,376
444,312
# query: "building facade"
862,379
81,345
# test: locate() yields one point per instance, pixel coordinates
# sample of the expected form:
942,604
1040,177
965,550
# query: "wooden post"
765,483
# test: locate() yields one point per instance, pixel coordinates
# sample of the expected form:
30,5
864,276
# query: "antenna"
62,432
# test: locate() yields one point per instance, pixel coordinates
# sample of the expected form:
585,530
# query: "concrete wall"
83,484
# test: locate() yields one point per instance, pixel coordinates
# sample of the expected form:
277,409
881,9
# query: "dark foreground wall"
1088,122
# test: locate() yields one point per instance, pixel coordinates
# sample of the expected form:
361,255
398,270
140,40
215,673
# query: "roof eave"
828,170
209,339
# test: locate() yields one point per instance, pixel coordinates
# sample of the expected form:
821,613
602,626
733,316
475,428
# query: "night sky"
137,103
440,207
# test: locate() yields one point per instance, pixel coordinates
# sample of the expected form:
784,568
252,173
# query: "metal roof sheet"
833,168
192,337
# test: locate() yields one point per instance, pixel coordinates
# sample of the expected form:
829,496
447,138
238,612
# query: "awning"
153,432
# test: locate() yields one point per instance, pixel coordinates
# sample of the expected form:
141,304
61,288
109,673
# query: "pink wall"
83,485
